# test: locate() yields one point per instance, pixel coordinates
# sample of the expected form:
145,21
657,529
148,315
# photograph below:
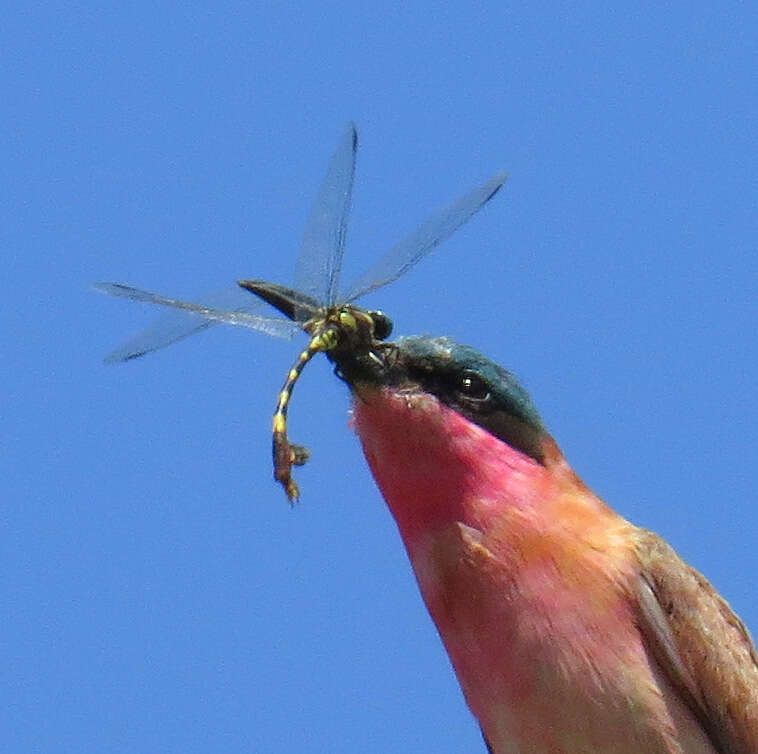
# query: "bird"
570,629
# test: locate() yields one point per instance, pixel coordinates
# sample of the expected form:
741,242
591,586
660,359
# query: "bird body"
570,629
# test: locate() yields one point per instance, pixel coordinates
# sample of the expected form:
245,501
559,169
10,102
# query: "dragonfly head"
382,325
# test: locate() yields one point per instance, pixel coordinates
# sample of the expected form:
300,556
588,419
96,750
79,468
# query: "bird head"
425,371
449,434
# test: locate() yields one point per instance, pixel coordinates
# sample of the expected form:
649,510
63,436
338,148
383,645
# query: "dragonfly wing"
231,306
318,267
413,248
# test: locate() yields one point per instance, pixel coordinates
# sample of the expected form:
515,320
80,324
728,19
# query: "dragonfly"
314,305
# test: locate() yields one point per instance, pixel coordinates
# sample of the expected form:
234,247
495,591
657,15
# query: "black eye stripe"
458,384
472,395
470,384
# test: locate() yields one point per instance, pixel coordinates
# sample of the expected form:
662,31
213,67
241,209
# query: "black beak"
291,303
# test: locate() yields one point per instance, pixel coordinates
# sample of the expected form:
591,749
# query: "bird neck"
435,467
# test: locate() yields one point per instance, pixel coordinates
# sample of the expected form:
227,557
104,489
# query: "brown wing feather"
700,644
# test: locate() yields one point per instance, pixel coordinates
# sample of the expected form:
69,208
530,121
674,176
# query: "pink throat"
435,467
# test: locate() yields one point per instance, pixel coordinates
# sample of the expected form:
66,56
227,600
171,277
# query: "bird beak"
373,366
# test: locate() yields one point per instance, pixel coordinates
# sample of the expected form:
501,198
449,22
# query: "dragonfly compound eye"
382,325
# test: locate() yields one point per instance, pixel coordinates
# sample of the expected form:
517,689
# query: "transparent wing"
232,306
318,267
412,249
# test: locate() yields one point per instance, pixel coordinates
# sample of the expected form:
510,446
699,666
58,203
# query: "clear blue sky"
158,593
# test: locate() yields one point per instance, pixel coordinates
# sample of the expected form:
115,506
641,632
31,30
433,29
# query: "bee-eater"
571,630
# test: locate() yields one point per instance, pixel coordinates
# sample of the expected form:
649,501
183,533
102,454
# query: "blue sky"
158,592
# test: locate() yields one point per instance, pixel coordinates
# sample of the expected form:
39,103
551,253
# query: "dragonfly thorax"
348,329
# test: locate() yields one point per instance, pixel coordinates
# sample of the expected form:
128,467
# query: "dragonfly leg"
299,454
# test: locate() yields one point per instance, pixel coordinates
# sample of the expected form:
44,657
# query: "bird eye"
382,325
473,387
